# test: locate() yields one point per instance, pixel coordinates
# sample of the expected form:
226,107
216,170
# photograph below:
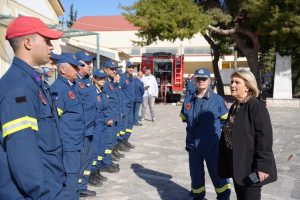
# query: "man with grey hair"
71,118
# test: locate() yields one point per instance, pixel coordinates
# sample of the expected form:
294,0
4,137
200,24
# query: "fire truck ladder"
178,75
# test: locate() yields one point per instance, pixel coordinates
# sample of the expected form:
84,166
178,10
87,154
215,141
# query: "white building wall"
122,40
39,6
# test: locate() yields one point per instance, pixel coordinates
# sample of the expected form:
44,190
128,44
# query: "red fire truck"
168,70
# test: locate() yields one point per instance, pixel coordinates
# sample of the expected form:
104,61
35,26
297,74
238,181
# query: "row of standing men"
55,139
96,120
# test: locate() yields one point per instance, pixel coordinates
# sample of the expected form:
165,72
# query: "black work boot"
128,144
114,157
122,147
114,165
117,153
88,193
110,169
100,177
94,181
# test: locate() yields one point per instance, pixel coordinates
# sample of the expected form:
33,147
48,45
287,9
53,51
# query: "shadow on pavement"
167,189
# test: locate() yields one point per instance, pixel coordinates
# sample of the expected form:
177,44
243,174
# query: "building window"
131,51
168,50
197,50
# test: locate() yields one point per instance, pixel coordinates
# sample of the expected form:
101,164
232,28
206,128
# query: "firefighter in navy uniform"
109,88
88,95
31,164
121,128
127,89
190,85
104,120
205,113
71,111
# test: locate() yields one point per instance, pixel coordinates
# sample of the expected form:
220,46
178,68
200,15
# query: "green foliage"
166,20
72,16
267,60
277,19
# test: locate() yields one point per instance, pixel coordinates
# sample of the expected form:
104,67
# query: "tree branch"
221,31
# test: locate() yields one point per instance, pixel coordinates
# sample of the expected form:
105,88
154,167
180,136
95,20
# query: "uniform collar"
110,79
79,76
23,65
67,81
206,95
128,75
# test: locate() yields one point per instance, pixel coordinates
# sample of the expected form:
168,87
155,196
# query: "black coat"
251,145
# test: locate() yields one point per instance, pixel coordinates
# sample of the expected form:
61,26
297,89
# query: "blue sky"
95,7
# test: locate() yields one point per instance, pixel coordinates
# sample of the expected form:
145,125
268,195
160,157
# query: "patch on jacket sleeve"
188,106
21,99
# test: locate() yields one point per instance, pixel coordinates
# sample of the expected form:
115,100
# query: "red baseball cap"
22,26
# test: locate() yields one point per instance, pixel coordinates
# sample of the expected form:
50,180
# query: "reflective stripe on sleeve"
107,151
202,189
19,124
182,116
118,134
128,130
79,180
60,112
86,172
94,162
224,117
220,190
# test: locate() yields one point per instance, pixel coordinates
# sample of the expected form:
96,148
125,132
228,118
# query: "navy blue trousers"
71,160
86,162
100,138
136,110
110,142
196,162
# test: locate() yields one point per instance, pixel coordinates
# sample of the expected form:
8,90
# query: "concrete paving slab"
157,169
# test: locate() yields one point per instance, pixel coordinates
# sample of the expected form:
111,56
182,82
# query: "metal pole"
98,51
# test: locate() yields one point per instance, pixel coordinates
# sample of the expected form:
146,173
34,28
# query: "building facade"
46,10
117,33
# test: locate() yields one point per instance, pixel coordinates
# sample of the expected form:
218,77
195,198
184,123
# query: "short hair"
16,42
148,68
249,79
59,66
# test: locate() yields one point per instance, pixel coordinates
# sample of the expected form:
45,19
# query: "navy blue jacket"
88,95
205,118
138,90
31,164
190,87
127,88
71,111
114,106
104,114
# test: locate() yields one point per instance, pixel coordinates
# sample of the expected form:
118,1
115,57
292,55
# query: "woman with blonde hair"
245,149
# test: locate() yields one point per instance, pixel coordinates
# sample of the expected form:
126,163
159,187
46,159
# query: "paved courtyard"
158,167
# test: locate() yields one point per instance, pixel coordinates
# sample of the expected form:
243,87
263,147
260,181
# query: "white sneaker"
154,120
142,120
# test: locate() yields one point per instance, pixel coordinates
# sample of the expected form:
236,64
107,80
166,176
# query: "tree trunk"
235,60
251,53
295,81
215,61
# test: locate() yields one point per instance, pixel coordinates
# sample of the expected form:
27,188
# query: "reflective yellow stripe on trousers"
222,189
198,190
